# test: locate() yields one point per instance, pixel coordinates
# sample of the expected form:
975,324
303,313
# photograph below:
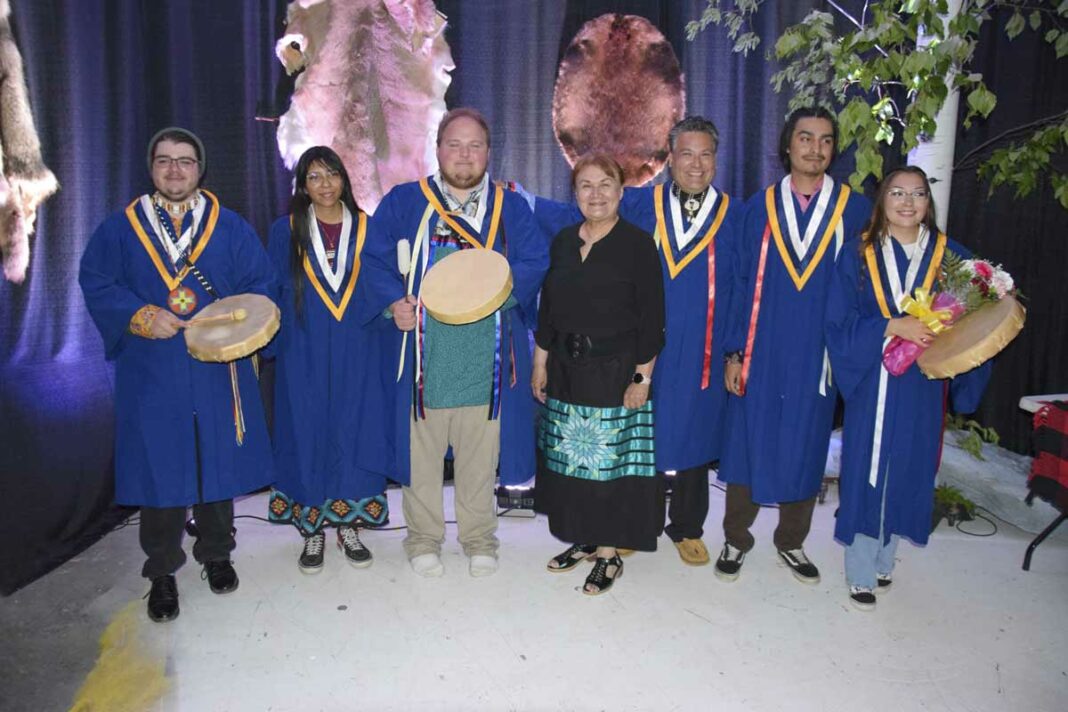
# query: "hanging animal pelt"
25,181
619,91
372,88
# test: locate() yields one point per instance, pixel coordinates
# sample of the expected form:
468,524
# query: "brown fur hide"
373,88
619,91
25,181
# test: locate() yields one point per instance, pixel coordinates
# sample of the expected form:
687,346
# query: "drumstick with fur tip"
239,314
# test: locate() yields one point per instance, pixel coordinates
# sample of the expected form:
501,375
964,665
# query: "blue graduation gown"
399,216
689,419
159,387
911,432
778,432
331,384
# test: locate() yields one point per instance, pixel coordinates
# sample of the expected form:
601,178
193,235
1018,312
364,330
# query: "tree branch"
854,20
1002,136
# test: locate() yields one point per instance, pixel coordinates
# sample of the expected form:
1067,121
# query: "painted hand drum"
232,328
974,339
466,286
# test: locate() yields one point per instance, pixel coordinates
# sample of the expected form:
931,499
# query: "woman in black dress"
600,327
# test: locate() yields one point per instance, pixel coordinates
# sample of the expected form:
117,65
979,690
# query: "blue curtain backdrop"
104,76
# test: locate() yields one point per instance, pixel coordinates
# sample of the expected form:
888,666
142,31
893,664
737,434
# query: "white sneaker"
482,565
427,565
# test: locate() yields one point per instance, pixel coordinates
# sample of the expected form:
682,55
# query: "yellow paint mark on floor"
128,676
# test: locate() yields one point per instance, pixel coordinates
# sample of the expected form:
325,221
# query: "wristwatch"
642,380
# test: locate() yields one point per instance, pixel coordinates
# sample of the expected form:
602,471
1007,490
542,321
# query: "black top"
618,289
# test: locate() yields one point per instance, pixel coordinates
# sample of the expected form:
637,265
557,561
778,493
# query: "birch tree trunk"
935,154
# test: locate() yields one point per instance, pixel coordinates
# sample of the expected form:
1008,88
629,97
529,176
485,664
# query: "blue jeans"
866,557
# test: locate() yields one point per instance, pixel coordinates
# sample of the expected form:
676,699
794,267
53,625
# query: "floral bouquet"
967,285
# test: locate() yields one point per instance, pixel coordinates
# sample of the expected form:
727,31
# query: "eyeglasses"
183,162
900,195
316,178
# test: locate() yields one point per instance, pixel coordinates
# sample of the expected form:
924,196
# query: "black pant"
161,536
795,519
689,504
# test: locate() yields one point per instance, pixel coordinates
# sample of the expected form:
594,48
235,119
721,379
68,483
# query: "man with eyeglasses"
781,407
186,432
465,386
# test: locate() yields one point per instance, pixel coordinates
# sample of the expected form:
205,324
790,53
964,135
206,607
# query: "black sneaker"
348,540
729,563
883,582
804,570
163,599
220,575
311,558
862,598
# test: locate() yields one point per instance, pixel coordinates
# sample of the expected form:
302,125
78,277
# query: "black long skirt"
597,478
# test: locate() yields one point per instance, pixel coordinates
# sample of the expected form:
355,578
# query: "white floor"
962,629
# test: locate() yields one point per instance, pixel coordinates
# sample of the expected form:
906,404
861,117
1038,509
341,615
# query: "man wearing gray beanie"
187,433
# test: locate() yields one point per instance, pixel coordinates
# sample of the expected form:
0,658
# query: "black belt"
585,346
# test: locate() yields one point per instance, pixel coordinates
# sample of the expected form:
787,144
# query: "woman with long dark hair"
328,433
892,435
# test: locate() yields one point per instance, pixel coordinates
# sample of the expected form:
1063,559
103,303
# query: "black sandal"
599,577
575,555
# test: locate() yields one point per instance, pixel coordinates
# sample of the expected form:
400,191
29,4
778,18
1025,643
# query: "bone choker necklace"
691,202
176,209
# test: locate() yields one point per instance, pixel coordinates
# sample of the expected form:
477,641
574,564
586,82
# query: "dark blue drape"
105,75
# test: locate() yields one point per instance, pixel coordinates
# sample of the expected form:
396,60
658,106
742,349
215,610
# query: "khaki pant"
475,442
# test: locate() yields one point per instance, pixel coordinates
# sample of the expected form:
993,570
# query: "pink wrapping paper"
899,354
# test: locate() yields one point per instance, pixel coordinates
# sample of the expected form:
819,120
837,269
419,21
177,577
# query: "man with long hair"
781,407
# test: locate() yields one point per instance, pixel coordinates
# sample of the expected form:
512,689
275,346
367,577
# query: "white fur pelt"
25,181
619,91
373,88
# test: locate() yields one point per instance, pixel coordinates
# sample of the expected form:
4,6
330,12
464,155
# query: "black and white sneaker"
804,570
348,540
311,559
862,598
883,582
729,564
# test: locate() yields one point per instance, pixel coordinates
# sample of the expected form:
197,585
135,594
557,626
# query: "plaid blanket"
1049,469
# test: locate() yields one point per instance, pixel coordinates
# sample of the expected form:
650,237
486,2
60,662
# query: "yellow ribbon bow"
920,307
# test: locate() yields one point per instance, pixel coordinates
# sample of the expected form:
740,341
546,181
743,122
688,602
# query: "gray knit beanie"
173,132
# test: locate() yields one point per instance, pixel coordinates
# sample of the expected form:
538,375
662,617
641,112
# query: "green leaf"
789,43
869,160
853,118
746,41
1035,20
982,101
1060,188
1015,25
1061,45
